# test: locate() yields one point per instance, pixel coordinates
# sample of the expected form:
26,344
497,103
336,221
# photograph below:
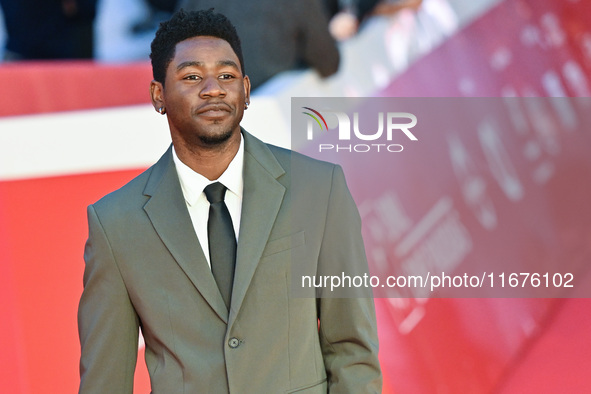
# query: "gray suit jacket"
145,269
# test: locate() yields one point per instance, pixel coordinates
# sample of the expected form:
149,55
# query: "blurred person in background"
158,11
49,29
347,15
278,35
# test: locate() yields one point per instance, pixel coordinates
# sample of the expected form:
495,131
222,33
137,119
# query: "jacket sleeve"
348,329
108,325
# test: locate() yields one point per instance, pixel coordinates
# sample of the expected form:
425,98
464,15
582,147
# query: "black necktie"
222,240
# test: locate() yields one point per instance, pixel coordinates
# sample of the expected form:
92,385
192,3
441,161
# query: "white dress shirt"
193,185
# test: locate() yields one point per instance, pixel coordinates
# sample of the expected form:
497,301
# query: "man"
152,256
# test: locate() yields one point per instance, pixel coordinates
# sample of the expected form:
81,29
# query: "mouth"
214,110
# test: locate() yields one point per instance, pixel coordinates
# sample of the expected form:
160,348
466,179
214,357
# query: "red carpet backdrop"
71,132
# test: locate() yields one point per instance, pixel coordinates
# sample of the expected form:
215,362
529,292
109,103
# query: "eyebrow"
229,63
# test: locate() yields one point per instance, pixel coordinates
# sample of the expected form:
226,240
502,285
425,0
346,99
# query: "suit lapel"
167,210
262,198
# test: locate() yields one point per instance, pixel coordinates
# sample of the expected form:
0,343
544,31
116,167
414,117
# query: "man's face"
204,92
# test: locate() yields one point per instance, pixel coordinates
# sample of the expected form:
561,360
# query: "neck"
209,161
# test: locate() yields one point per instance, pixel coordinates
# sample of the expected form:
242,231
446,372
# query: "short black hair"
184,25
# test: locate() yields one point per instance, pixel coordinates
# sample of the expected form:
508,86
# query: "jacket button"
234,343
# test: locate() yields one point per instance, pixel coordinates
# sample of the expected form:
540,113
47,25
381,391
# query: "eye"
192,77
226,76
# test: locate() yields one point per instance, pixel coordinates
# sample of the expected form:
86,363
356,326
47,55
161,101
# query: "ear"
157,95
246,83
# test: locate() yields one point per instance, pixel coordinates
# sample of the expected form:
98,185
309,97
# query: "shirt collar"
193,183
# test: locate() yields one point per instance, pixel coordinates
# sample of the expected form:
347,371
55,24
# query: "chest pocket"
284,243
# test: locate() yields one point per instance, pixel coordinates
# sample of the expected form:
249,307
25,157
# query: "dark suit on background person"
145,268
54,29
278,35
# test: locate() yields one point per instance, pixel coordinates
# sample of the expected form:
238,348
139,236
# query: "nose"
211,87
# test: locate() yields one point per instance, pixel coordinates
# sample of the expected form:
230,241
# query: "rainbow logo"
315,118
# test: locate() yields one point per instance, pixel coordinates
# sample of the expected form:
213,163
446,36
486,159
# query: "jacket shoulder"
130,194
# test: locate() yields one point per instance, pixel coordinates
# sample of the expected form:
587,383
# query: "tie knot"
215,192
